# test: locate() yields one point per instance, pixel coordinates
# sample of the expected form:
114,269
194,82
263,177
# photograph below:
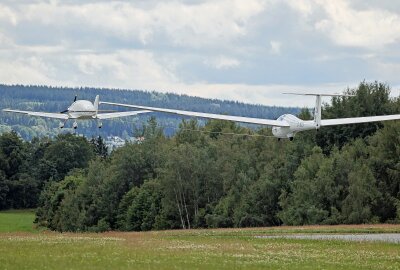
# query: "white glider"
286,126
79,110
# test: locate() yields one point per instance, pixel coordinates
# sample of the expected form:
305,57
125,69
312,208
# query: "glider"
79,110
285,127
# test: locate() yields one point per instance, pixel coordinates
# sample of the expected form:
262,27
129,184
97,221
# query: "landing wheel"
291,139
75,125
279,139
62,124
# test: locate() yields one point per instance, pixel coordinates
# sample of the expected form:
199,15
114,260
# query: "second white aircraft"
285,127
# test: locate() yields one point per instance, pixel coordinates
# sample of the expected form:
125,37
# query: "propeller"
75,97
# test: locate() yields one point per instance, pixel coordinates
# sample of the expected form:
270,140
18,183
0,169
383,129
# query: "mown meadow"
28,248
17,221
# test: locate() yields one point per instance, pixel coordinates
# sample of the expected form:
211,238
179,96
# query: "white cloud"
305,7
362,28
29,71
7,15
386,70
5,42
370,28
223,62
275,47
204,23
209,22
126,68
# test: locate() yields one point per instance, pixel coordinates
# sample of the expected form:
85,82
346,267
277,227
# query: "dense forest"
206,177
56,99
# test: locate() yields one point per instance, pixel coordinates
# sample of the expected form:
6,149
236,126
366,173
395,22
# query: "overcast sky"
246,50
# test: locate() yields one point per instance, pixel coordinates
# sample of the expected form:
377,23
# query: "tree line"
205,177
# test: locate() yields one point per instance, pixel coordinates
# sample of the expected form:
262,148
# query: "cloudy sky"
246,50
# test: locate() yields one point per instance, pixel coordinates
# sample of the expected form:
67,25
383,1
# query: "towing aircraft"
285,127
79,110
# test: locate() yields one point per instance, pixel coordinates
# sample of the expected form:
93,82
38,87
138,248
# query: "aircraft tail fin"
96,104
317,111
318,104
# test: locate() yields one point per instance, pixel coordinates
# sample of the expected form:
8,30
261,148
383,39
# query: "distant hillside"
56,99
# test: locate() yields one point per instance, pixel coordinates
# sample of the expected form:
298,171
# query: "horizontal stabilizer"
321,95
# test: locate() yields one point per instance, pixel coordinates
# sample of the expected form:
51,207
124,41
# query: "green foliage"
52,200
65,153
99,146
362,194
313,191
371,99
18,189
385,165
26,167
144,207
11,153
305,114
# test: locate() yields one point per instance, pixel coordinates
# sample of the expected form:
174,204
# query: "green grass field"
193,249
17,221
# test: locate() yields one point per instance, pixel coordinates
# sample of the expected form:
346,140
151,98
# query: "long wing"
40,114
248,120
355,120
119,114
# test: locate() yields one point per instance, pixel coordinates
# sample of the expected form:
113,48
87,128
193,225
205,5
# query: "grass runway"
195,249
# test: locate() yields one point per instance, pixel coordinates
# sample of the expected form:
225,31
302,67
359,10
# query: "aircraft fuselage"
295,125
82,109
